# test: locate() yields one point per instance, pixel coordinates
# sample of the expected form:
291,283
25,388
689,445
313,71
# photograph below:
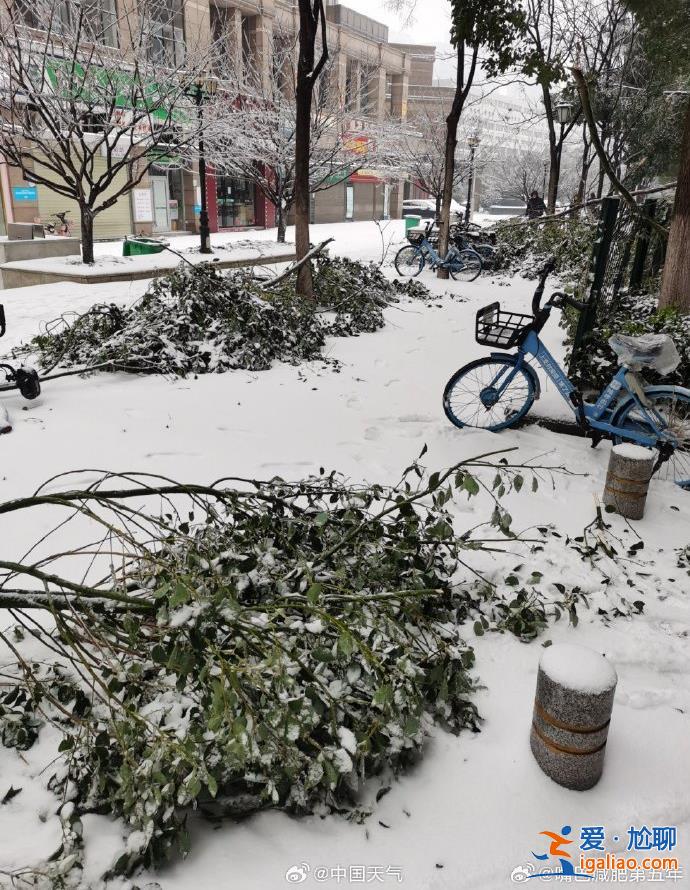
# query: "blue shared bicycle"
462,265
496,392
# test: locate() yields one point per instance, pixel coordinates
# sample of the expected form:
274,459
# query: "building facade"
372,74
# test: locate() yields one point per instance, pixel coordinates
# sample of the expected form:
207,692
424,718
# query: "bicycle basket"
502,329
415,237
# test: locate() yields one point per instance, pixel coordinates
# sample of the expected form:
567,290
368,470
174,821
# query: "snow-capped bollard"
572,711
627,480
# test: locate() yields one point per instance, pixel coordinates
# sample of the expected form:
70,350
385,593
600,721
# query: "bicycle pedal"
596,436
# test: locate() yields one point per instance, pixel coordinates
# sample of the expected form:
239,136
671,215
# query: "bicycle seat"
657,351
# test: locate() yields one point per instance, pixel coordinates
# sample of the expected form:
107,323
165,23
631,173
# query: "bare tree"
598,35
420,150
254,135
81,85
549,47
516,171
493,27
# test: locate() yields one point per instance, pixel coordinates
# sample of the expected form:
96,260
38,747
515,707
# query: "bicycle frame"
435,257
597,415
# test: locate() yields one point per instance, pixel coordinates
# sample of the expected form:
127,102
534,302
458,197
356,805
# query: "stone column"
339,74
234,41
628,477
572,712
197,26
263,50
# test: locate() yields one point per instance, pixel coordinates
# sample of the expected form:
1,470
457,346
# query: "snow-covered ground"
473,810
109,258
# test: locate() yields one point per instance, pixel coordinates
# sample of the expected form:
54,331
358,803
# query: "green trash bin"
412,222
140,246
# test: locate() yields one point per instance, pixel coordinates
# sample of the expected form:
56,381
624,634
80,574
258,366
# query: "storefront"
167,187
235,202
114,222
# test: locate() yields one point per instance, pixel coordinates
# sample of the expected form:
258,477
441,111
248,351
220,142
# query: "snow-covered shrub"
358,293
266,646
192,321
524,248
198,320
630,314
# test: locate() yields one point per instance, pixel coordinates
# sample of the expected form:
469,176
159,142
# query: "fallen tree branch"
618,186
584,205
295,266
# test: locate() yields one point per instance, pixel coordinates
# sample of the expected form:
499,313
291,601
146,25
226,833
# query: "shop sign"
25,193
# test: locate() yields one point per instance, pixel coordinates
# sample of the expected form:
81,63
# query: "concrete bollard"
572,711
627,480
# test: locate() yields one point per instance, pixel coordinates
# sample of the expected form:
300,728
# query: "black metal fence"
628,255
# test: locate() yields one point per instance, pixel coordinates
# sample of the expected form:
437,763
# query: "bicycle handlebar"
539,292
559,298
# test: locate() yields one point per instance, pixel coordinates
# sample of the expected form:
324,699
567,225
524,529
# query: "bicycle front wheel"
466,266
409,261
489,394
672,406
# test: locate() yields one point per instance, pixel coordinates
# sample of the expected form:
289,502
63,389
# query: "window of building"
369,86
92,21
352,85
282,59
219,17
235,202
249,47
389,94
167,33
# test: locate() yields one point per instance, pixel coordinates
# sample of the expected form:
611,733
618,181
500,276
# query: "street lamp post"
564,113
203,88
473,141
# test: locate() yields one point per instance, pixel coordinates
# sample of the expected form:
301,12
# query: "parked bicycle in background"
62,225
471,236
462,265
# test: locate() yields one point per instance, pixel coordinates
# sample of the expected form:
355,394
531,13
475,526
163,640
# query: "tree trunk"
311,17
554,154
554,172
305,286
438,207
584,171
452,122
87,218
675,288
280,218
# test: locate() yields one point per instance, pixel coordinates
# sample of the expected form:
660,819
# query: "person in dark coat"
535,206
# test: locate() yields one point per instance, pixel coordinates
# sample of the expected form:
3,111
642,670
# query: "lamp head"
563,112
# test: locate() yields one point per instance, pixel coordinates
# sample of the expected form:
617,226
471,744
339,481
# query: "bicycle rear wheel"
409,261
673,406
474,396
466,266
